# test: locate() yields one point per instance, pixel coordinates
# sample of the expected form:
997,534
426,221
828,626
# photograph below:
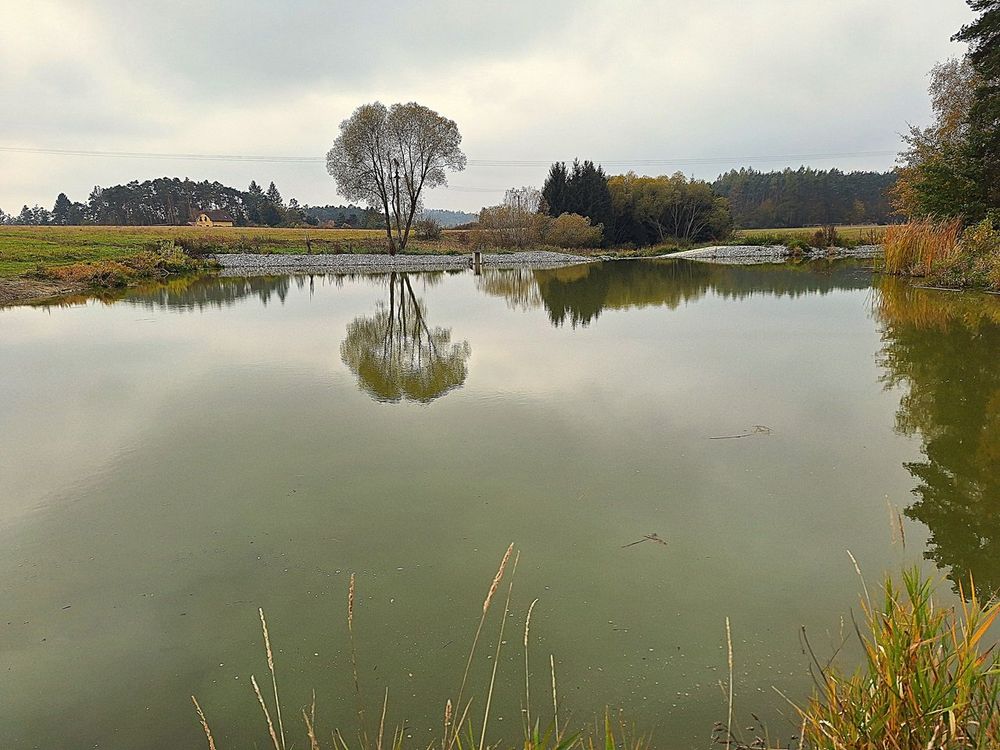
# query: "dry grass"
917,248
854,234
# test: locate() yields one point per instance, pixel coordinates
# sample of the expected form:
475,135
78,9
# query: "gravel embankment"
771,253
253,264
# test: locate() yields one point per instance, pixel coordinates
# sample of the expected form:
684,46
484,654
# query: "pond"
667,443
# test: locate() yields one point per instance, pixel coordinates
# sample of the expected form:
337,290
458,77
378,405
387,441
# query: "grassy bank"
105,271
22,248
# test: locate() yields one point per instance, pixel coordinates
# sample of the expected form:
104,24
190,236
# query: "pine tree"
554,189
587,193
274,196
62,210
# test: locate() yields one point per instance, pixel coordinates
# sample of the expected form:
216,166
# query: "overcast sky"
709,84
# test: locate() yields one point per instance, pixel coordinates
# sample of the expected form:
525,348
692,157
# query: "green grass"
23,248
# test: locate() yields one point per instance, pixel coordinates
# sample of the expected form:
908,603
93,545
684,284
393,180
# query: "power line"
261,158
515,163
156,155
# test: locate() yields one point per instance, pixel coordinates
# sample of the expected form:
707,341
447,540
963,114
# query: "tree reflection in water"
944,349
580,294
397,356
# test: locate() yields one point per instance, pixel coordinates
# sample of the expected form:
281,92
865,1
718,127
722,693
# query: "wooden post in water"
477,262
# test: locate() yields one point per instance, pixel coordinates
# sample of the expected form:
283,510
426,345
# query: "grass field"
24,248
855,234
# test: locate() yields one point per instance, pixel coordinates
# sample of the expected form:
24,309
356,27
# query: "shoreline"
21,290
751,254
262,264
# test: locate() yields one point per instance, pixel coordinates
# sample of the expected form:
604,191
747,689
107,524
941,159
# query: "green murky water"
176,459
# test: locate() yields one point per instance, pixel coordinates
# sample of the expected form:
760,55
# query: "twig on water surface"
757,429
647,538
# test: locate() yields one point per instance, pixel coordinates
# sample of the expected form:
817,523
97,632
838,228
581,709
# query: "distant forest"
806,197
789,198
171,200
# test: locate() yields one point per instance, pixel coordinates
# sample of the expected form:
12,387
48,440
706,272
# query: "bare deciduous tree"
387,156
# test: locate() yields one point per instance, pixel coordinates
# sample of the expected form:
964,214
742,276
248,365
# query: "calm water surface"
173,460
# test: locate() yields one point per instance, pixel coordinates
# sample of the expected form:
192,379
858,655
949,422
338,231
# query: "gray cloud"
524,80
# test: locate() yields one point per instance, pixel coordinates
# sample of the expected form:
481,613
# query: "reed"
479,629
204,724
919,247
459,731
927,680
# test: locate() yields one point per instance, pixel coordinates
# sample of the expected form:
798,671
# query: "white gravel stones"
771,253
243,264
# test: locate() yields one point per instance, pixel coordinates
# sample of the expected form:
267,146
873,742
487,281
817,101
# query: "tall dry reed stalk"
274,681
496,656
475,641
527,685
204,724
917,247
458,730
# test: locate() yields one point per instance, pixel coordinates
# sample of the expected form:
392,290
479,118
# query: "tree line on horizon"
807,197
631,209
640,210
175,201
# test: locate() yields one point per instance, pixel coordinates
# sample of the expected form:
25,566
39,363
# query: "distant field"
863,233
22,248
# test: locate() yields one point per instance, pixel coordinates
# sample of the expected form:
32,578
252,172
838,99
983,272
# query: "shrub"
572,230
193,245
977,262
167,259
506,226
427,229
